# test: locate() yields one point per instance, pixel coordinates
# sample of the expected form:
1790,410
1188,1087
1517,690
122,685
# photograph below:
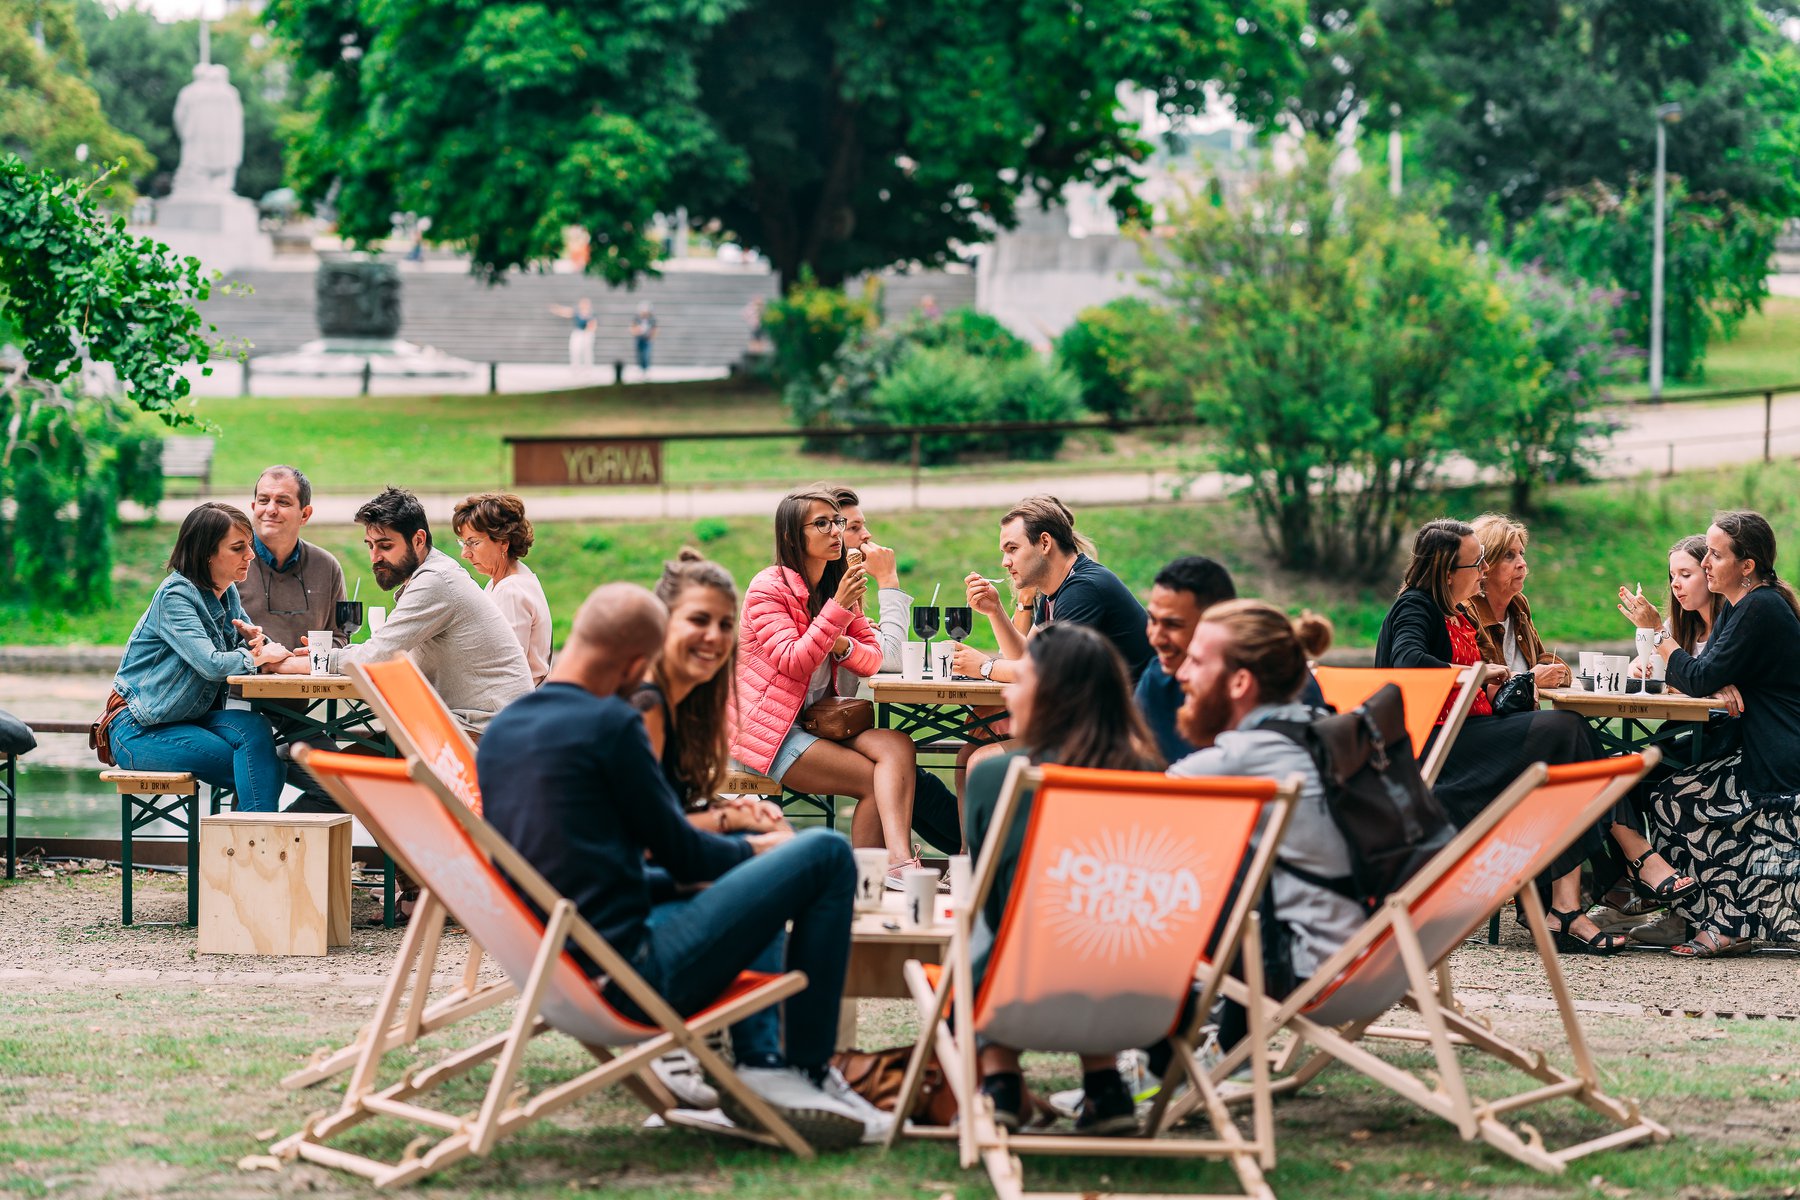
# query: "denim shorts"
796,743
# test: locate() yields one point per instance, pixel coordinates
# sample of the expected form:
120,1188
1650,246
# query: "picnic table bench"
188,457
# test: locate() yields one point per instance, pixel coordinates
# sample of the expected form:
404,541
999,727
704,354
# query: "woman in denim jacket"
194,635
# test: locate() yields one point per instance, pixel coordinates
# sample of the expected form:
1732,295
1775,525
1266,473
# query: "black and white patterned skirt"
1744,850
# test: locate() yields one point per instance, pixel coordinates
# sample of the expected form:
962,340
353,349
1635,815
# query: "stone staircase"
700,314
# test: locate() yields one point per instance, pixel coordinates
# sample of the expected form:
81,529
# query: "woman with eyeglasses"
495,537
802,617
189,641
1429,626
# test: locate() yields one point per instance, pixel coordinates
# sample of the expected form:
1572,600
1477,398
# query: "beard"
392,575
1202,718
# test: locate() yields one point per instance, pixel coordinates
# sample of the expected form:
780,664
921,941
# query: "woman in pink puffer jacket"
802,617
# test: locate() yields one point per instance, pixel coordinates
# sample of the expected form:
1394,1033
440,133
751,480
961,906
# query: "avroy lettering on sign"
610,464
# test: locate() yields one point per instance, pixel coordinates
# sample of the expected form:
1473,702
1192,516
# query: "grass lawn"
356,445
1766,351
1586,542
162,1090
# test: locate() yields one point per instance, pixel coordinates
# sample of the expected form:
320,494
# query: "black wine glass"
925,624
958,621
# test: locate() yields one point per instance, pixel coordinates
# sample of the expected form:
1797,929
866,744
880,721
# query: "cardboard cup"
871,878
918,890
912,660
377,618
318,650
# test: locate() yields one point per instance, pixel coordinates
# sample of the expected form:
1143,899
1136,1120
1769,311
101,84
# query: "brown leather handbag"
100,732
837,718
876,1076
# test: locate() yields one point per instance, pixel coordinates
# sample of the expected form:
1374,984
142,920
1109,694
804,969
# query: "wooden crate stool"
146,797
274,883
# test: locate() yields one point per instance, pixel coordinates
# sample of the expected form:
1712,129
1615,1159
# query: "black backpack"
1375,795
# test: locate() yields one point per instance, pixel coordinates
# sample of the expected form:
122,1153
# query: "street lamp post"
1666,115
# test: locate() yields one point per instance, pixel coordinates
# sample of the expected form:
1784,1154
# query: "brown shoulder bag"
837,718
100,732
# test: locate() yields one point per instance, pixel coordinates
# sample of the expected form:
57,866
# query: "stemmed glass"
959,619
925,624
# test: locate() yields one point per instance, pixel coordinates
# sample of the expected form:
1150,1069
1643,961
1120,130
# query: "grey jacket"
1320,920
459,639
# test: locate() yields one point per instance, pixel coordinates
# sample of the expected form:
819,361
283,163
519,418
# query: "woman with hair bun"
1734,821
495,536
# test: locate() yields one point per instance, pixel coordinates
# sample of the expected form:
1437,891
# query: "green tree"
138,65
50,115
1340,349
74,289
840,137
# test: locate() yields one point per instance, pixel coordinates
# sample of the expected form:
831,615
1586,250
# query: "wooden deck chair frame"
952,1044
1428,992
1367,680
423,728
505,1107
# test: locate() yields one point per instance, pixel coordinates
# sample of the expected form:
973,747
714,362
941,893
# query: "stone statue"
209,118
358,299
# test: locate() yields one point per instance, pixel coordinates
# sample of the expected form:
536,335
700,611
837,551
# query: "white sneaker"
680,1073
876,1123
826,1122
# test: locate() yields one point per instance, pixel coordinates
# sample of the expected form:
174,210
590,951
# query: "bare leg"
896,770
830,769
1565,896
1655,868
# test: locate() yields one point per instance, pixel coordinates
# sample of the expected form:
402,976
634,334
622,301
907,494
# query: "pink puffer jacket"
779,651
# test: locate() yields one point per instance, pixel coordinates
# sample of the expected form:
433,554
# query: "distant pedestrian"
643,332
581,331
928,307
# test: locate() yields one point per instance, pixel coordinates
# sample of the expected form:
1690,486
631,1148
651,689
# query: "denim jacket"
180,653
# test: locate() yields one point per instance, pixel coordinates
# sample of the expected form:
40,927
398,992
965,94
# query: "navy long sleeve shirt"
568,778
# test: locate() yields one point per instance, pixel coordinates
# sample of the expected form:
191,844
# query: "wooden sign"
586,462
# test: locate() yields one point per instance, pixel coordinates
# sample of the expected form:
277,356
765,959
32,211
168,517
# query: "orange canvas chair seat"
463,868
422,727
1129,885
1425,693
1400,956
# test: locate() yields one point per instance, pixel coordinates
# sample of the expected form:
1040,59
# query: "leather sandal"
1601,944
1670,891
1707,944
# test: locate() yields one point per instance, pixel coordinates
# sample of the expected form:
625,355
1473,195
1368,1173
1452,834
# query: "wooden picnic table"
1625,723
938,714
878,952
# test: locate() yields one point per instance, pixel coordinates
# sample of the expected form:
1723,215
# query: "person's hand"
966,661
252,634
984,598
1732,699
840,648
762,843
1025,597
1551,675
1638,610
747,813
851,588
1639,669
269,654
1495,673
294,664
882,563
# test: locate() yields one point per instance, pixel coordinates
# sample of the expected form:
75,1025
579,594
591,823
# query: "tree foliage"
139,64
48,109
75,288
1339,349
841,137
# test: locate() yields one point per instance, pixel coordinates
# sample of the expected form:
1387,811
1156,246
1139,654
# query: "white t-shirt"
520,599
1509,649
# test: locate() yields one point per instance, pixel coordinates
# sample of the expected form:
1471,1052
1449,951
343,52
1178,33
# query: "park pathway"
1651,440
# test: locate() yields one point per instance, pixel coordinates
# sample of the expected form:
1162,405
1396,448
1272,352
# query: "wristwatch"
987,668
1662,635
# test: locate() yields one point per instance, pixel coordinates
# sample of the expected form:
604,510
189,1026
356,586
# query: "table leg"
126,800
193,857
387,892
12,800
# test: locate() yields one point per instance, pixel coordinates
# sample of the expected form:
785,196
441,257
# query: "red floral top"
1465,651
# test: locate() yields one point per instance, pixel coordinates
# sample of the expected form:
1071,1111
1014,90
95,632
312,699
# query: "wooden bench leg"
126,800
12,798
193,855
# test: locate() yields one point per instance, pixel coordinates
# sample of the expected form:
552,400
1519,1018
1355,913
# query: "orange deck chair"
1393,958
422,727
459,860
1128,883
1424,691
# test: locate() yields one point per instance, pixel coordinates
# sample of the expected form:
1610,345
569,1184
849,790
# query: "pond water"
72,802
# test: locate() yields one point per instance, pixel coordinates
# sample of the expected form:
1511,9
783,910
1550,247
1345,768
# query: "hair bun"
1314,633
688,554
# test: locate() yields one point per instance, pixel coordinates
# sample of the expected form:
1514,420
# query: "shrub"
1104,349
929,387
1031,390
975,333
710,529
807,326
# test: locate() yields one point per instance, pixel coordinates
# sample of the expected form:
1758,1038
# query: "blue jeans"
693,948
226,748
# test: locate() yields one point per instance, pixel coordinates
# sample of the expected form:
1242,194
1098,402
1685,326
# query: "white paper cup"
1659,669
1615,668
1590,662
918,891
912,660
377,618
962,878
944,658
318,650
871,878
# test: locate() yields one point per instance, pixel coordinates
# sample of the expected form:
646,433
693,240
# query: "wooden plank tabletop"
871,927
1644,707
292,687
892,689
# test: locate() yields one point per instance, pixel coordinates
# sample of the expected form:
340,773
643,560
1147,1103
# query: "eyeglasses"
1474,566
268,581
471,543
827,524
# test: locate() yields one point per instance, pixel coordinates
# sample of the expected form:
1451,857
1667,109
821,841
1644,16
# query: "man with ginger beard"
1245,667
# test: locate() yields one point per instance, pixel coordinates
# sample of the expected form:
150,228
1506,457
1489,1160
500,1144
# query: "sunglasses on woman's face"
827,524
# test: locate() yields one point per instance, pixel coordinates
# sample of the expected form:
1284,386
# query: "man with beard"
458,638
1246,666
